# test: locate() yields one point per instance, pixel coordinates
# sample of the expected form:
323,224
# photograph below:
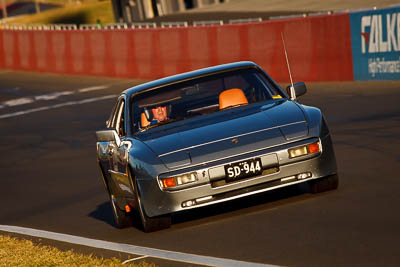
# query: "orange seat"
231,98
144,121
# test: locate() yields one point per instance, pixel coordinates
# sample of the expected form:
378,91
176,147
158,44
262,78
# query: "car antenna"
292,92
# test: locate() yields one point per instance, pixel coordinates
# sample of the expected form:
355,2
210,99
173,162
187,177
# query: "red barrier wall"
319,49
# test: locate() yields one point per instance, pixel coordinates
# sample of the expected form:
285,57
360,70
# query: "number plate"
243,169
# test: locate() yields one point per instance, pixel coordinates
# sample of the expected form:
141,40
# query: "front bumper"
158,202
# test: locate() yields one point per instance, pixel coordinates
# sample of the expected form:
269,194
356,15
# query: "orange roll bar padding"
144,121
231,98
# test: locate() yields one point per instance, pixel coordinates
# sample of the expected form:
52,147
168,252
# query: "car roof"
189,75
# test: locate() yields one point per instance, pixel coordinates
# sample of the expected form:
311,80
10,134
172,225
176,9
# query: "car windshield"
201,96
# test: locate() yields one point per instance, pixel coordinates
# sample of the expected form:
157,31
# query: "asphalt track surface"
50,181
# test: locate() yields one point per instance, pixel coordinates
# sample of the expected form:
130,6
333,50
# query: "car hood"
226,133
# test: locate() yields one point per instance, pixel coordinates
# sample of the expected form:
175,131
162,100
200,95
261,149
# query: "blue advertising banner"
375,41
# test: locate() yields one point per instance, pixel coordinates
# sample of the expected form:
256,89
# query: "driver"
159,114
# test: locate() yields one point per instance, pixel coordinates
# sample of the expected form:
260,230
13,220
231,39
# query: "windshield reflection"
199,97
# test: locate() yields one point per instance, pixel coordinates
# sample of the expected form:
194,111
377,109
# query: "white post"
198,3
181,5
4,9
37,6
148,10
166,7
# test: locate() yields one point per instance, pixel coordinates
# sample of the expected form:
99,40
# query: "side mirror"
108,136
299,90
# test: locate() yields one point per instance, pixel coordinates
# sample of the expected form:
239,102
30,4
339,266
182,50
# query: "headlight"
304,150
297,152
179,180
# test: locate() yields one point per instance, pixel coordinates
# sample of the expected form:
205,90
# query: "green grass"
15,252
88,12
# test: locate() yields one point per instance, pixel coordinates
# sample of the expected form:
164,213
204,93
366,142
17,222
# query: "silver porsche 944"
208,136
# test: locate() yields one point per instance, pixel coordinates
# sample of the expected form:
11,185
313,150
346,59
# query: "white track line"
70,103
93,88
131,249
18,101
53,96
135,259
46,97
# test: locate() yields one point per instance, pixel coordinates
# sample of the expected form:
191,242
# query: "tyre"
121,218
324,184
149,224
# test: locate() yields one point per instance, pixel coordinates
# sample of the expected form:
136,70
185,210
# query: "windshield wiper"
234,106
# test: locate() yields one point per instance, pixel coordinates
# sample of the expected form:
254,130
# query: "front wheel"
149,224
121,218
324,184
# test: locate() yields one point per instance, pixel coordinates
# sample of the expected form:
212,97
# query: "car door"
118,171
105,151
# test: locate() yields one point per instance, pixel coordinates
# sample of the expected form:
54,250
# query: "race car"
208,136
